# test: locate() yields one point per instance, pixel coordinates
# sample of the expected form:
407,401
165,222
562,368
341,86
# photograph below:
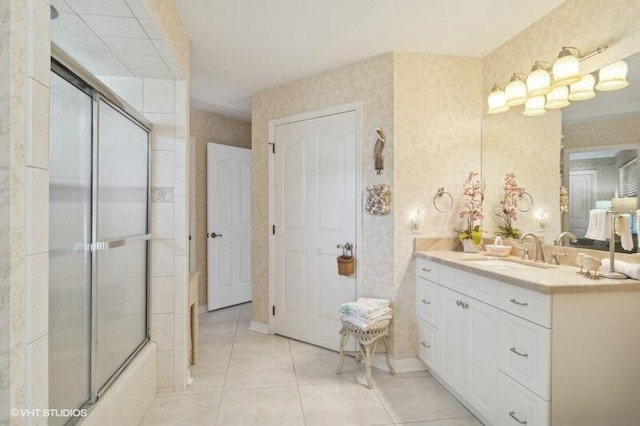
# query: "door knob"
214,235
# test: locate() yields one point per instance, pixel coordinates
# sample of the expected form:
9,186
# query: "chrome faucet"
539,252
558,241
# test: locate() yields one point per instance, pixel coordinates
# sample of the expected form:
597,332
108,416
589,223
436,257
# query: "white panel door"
315,176
228,225
581,200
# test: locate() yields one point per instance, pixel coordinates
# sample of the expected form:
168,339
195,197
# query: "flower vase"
468,246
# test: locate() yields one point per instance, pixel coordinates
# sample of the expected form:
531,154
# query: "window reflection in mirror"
601,138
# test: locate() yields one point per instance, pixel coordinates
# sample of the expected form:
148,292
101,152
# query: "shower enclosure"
99,232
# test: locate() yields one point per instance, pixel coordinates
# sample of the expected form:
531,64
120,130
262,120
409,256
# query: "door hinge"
273,310
273,229
273,147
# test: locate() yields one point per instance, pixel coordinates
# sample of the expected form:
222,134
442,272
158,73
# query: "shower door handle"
111,244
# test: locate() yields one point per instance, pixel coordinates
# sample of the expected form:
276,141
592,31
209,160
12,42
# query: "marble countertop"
549,279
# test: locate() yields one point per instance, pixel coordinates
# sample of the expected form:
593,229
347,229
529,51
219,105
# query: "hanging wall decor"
378,158
378,199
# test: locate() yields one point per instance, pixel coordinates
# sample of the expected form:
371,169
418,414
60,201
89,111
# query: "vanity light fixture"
534,107
558,98
556,84
516,90
583,89
497,101
539,80
613,77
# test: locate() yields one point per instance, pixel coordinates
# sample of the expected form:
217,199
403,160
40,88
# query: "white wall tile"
37,385
162,221
163,130
181,125
130,46
159,96
181,96
162,298
129,89
180,295
162,331
180,152
106,26
180,241
180,182
100,7
162,171
162,258
38,41
37,286
165,369
37,124
37,211
180,207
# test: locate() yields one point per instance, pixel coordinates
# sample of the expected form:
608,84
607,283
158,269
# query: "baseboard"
202,309
402,365
259,327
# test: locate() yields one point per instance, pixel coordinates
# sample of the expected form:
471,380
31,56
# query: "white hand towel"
632,271
623,228
599,227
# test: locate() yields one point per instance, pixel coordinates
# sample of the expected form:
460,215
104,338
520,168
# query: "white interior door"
581,200
315,209
228,225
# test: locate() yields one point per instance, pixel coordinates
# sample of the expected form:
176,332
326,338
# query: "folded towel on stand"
366,323
619,266
623,228
599,227
364,306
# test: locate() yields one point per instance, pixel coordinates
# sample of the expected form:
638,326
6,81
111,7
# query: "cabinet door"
452,339
481,357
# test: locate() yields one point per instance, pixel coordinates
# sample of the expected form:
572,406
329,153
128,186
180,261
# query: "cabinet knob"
425,344
426,302
426,270
515,351
512,414
519,303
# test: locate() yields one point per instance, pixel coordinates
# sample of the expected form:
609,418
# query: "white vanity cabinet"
516,356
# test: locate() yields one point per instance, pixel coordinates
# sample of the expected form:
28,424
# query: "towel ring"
438,195
528,204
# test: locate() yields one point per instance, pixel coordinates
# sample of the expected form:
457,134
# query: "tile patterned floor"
246,378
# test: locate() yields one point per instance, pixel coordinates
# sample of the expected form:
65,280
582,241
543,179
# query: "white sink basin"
508,264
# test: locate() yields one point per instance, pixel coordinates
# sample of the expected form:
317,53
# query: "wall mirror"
540,151
601,138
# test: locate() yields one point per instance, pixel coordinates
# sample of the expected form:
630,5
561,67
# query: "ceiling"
239,47
113,38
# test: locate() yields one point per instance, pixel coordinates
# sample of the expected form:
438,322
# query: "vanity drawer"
528,304
517,405
428,345
427,270
523,353
476,286
427,301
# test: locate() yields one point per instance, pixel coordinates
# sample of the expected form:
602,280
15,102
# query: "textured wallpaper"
438,106
611,131
209,127
369,81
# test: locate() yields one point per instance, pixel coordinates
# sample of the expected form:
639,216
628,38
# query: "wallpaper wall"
611,131
438,105
209,127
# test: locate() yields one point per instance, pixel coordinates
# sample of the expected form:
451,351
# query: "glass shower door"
70,177
121,261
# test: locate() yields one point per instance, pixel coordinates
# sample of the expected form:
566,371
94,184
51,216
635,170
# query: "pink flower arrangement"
512,194
473,191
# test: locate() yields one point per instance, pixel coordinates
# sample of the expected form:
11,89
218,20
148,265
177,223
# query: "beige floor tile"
302,348
381,374
208,377
264,407
248,373
418,399
465,421
321,368
341,404
249,344
222,315
196,409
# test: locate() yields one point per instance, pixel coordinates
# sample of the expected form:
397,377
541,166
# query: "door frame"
339,109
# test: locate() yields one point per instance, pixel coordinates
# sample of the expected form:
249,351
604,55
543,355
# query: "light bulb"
538,82
557,98
534,107
583,89
613,77
497,101
516,91
566,69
